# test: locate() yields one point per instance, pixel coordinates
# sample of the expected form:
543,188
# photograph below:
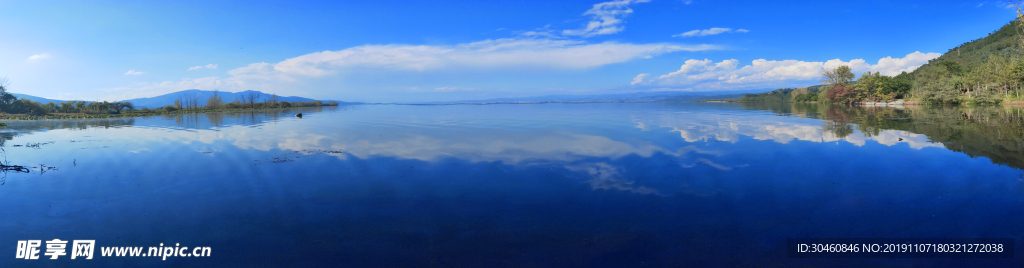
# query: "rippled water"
552,185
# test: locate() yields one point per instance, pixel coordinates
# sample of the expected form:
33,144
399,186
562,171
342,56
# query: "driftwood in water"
4,168
15,168
44,169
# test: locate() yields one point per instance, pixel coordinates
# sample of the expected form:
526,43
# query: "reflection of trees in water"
219,119
193,120
835,129
994,132
16,128
251,116
188,120
6,136
810,110
80,124
216,119
258,117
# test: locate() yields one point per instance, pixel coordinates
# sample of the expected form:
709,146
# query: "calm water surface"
552,185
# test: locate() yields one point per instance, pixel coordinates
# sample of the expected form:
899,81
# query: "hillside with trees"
986,70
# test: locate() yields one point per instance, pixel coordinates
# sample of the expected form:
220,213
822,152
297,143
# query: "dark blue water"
552,185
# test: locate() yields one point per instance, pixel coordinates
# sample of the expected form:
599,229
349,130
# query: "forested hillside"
985,70
989,69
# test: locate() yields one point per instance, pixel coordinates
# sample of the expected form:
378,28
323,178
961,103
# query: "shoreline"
866,104
136,113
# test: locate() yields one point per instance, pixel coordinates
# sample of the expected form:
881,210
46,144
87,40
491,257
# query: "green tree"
935,84
867,87
838,75
836,78
98,107
5,97
894,87
51,107
25,106
117,107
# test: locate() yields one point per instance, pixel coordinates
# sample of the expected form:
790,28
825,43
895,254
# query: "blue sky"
404,51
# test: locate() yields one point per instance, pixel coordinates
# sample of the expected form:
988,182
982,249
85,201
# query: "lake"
524,185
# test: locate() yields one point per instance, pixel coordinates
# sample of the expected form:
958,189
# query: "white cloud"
540,49
706,74
890,66
639,79
453,89
497,53
543,32
605,18
208,66
687,2
133,72
997,4
711,31
39,56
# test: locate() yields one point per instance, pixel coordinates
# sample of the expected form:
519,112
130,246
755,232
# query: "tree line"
10,104
251,100
995,80
985,70
874,87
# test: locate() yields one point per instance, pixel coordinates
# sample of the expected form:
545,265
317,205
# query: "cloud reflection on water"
588,153
607,177
697,128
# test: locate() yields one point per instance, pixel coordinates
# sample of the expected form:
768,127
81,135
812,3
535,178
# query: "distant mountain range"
36,99
202,95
